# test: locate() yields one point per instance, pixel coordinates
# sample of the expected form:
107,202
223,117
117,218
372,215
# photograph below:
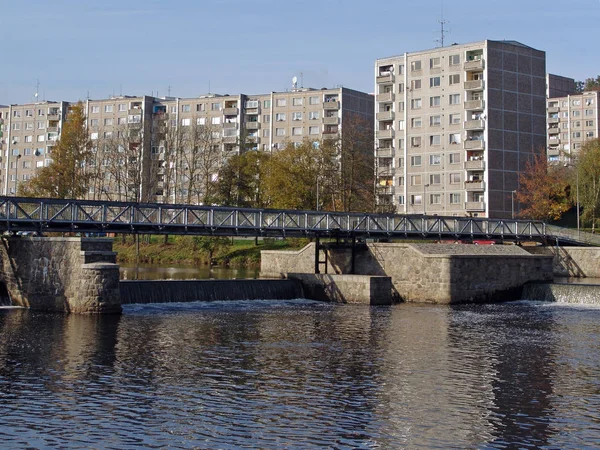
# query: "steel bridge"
46,215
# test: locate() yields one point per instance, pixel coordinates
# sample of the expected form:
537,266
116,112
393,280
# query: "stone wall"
61,274
431,273
364,289
581,262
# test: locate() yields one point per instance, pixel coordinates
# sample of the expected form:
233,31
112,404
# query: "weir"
562,293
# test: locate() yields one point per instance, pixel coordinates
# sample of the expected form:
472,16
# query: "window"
435,121
266,133
454,178
313,115
589,123
435,101
435,139
400,87
313,100
454,99
15,152
93,122
108,108
280,102
435,160
40,112
251,104
589,134
107,134
122,107
229,132
297,131
454,158
29,126
415,84
279,131
565,114
215,135
280,117
185,108
415,160
16,126
454,60
94,136
415,65
267,104
121,121
401,124
108,122
577,102
415,122
297,101
400,181
435,178
187,122
434,82
576,113
95,109
400,162
415,103
576,134
434,63
266,118
313,130
41,125
454,138
416,199
16,113
435,199
589,112
27,152
297,116
401,143
28,138
200,107
576,124
39,164
215,120
39,151
415,180
400,106
455,198
215,106
41,138
454,79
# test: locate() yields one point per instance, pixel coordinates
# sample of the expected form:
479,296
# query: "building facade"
454,126
134,138
572,120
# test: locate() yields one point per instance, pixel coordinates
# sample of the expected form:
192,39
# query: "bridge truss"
44,215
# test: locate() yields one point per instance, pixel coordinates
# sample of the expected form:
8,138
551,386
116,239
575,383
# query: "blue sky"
144,46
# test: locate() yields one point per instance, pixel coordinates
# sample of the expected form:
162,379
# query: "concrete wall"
572,261
363,289
430,273
61,274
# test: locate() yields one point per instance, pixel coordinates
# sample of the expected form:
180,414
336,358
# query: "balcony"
230,139
553,131
475,185
385,152
553,109
133,111
50,143
553,151
231,111
385,79
475,144
474,65
474,125
475,206
331,120
385,134
385,98
330,134
331,105
474,104
53,116
252,125
385,190
230,125
52,129
478,164
474,85
553,120
387,171
386,115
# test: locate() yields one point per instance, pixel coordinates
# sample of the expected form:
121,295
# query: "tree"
543,192
66,176
241,180
588,170
590,84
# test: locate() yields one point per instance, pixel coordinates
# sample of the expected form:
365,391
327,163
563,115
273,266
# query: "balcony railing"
133,111
53,117
478,164
52,129
474,104
385,152
475,185
252,125
331,105
230,125
553,109
231,111
386,115
384,79
385,134
387,97
473,85
554,130
475,206
474,125
385,190
331,120
474,144
388,171
474,65
553,120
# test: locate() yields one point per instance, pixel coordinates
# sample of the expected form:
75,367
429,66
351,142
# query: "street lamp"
576,195
17,172
425,186
512,204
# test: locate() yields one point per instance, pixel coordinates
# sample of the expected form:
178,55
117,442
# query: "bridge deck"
45,215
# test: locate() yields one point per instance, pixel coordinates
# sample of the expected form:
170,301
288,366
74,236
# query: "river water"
301,374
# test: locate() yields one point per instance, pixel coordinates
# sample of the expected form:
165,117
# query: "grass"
194,250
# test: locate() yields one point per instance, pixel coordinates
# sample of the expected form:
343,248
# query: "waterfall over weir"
562,292
165,291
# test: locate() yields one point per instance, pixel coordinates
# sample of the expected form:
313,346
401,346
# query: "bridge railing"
574,235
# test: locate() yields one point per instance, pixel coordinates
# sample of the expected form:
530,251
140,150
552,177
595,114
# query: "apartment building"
141,130
572,120
455,125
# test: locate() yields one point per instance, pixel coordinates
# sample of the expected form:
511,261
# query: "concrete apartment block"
455,125
135,124
572,120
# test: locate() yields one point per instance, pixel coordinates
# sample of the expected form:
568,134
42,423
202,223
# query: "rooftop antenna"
120,90
168,91
443,32
301,80
294,83
37,89
209,86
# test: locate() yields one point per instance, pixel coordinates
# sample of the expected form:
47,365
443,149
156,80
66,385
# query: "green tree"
590,84
588,171
240,180
66,176
543,193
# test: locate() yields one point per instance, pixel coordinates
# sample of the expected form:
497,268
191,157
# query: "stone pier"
77,275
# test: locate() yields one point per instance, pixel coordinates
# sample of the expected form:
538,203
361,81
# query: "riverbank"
199,250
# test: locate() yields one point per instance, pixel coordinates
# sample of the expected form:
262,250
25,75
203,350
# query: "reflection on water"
301,374
200,272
